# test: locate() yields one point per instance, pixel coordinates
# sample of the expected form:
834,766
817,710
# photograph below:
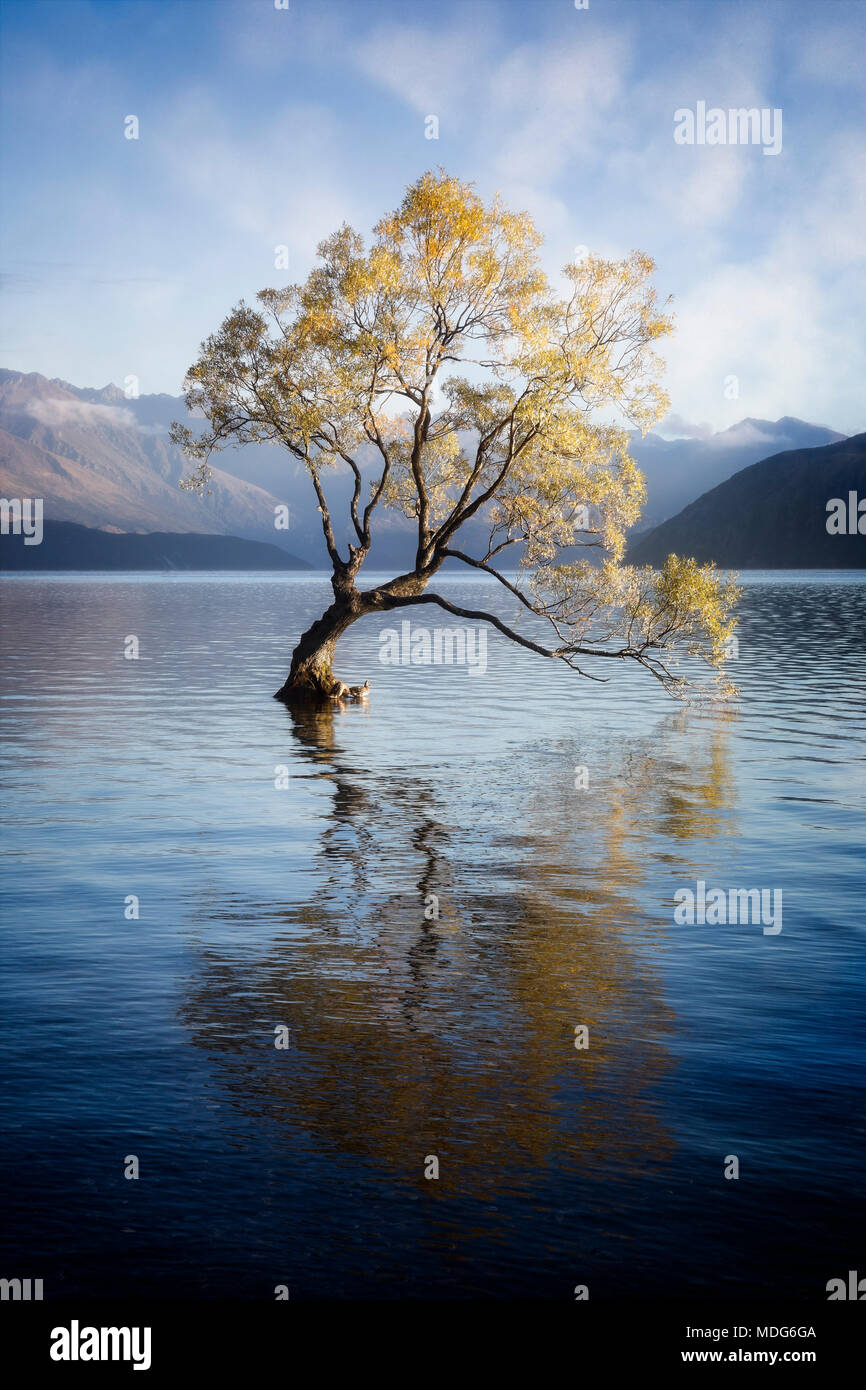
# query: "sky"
261,127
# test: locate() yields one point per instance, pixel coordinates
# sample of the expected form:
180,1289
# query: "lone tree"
358,364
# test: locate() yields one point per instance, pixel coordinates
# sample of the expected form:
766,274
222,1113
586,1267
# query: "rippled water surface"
304,905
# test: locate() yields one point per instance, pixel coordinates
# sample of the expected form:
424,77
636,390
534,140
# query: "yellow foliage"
359,363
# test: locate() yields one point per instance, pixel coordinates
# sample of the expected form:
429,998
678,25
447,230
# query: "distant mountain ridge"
97,461
100,459
680,469
772,515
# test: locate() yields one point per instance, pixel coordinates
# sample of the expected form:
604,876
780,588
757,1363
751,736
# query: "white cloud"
573,122
284,184
675,426
786,321
744,432
556,106
55,411
433,72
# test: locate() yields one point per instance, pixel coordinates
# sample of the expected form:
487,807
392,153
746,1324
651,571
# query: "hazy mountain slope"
680,470
94,463
677,470
772,515
102,460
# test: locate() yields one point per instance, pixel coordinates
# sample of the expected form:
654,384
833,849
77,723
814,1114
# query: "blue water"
303,906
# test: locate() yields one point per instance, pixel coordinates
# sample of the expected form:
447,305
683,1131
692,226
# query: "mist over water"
304,906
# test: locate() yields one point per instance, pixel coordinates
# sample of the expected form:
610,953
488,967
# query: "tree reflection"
454,1036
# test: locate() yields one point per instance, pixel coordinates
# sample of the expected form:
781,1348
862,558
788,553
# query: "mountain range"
99,460
682,468
102,460
773,515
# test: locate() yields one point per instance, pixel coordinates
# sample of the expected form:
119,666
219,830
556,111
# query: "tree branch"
330,541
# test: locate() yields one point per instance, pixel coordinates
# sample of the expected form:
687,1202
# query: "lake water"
303,905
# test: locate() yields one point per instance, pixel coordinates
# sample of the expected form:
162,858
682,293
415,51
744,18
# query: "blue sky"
262,127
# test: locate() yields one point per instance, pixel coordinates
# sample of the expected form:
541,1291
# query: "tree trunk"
311,676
